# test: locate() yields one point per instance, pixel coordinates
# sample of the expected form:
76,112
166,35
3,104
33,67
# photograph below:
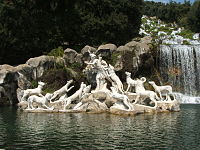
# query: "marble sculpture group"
107,82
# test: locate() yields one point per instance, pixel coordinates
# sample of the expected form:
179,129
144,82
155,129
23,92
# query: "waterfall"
180,67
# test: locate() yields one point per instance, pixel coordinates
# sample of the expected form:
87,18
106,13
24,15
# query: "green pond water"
170,131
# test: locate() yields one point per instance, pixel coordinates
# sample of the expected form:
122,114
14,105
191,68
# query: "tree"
115,21
170,12
193,17
29,28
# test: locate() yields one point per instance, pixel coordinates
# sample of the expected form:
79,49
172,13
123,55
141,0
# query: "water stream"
180,67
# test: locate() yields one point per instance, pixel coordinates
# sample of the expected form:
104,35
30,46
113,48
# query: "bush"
193,18
57,52
185,42
187,34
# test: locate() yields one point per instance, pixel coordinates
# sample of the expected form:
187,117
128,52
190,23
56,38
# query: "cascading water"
180,67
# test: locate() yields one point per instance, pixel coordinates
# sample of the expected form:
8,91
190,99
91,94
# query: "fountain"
108,96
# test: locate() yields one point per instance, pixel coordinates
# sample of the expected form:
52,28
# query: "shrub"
187,34
185,42
57,52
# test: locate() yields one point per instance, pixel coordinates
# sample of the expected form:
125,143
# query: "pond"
56,131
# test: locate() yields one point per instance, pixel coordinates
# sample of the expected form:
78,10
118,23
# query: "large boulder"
135,56
111,47
24,79
123,48
124,60
94,107
69,56
138,47
73,58
106,50
78,59
8,82
3,101
25,71
146,39
14,80
88,48
85,52
41,64
94,103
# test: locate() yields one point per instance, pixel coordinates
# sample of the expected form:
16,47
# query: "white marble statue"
36,91
116,82
39,100
101,98
62,92
159,89
76,96
101,68
93,60
130,82
141,92
101,74
121,97
86,91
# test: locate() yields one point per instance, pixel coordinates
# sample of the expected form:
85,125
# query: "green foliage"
187,34
57,52
170,12
185,42
28,28
47,90
165,29
114,58
34,83
114,21
193,18
185,14
75,66
144,21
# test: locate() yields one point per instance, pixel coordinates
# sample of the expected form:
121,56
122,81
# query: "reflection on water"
174,131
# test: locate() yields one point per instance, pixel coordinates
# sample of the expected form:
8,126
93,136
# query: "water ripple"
173,131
